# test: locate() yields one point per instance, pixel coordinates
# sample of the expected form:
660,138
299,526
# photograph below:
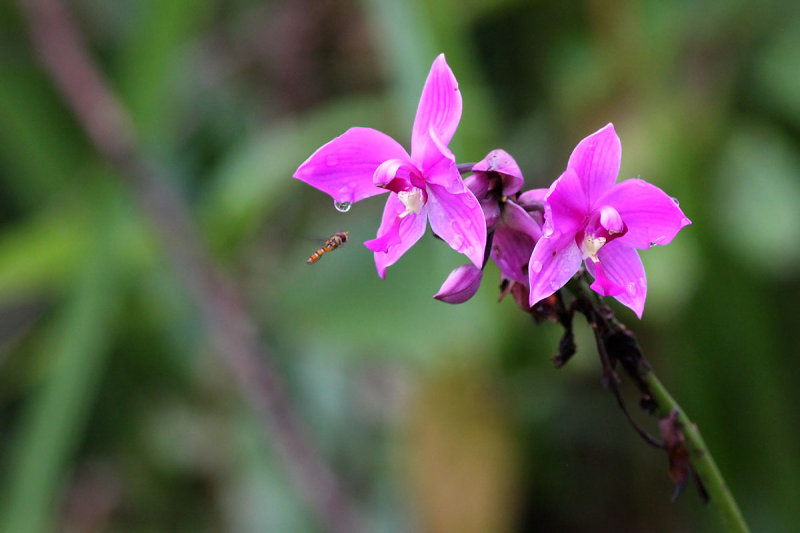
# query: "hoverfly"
333,242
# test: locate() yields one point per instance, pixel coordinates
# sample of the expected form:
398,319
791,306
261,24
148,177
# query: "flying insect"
333,242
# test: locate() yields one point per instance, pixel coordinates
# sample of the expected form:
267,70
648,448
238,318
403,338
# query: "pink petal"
437,163
394,175
491,211
517,219
395,235
566,205
513,242
460,285
439,106
532,197
623,267
501,162
602,285
344,167
596,161
457,218
553,262
478,184
650,215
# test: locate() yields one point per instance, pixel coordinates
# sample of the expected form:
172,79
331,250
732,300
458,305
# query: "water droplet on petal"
642,282
342,207
536,266
630,287
675,200
554,285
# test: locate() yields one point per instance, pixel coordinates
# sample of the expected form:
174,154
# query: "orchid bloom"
425,185
495,181
591,219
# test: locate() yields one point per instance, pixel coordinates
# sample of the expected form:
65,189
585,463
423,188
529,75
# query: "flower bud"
504,166
460,285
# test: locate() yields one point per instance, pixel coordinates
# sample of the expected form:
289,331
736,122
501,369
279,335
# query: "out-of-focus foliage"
115,414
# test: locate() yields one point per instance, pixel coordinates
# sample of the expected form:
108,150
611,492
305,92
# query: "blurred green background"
117,415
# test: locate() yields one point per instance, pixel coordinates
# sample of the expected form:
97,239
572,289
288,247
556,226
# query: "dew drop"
630,287
342,207
642,282
536,266
554,285
675,200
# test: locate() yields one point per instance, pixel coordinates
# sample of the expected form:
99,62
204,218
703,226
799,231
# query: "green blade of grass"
55,415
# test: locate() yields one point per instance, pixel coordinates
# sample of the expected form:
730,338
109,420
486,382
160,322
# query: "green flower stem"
616,343
702,461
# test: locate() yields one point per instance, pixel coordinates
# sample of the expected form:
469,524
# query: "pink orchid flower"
515,230
495,182
425,185
591,219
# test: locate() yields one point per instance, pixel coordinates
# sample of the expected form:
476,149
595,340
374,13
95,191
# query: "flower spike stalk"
688,454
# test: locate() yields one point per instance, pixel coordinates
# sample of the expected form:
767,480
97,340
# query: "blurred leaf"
258,496
148,65
255,178
53,423
756,198
408,45
44,253
672,277
47,251
776,81
409,54
462,463
345,305
37,141
732,375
